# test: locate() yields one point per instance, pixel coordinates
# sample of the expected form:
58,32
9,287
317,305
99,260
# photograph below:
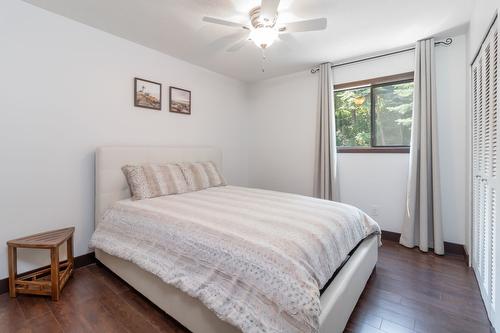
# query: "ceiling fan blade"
238,45
223,22
308,25
269,9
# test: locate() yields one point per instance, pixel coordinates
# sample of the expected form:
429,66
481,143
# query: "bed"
338,297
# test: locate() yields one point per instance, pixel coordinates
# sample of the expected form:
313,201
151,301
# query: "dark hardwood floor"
408,292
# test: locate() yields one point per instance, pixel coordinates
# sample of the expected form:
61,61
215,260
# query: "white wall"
482,15
67,88
283,127
451,73
283,122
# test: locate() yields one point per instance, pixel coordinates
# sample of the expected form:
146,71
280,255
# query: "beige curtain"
325,176
422,225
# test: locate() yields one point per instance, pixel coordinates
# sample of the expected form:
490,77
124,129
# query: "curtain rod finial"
446,42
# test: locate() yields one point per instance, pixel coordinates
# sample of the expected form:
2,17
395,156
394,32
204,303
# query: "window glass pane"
393,113
352,117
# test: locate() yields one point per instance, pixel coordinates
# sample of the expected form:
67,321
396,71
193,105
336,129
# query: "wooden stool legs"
12,270
69,251
54,273
54,267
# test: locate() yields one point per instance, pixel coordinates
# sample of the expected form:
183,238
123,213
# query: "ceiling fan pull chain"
263,59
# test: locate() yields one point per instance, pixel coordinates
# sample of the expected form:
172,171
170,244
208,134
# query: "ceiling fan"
264,28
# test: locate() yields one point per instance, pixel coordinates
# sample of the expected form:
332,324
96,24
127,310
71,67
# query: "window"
374,115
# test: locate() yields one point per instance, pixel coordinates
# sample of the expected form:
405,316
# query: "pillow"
154,180
201,175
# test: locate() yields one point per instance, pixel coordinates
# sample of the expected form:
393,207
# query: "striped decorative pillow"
154,180
201,175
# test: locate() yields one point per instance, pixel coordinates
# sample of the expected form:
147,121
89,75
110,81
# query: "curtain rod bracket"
447,42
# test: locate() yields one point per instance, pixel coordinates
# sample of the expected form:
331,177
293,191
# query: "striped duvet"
257,258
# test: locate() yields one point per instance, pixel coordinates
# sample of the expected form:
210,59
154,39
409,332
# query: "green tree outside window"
392,114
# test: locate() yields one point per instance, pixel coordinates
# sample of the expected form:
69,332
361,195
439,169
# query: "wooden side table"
38,282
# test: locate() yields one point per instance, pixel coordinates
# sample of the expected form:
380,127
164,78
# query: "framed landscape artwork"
147,94
180,100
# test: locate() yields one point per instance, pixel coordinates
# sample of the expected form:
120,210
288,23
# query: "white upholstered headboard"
110,183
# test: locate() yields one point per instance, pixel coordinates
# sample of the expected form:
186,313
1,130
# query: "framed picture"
147,94
180,100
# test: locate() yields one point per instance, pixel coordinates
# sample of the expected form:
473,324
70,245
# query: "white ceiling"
355,27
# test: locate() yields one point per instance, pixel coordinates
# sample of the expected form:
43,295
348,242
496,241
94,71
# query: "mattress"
257,258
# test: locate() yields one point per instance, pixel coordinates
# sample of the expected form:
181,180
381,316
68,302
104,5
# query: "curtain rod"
446,42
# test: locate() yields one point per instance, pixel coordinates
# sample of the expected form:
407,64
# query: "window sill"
373,150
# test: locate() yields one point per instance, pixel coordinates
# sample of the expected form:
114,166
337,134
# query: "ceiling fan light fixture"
264,37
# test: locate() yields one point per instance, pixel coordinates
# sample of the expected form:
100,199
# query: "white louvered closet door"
484,77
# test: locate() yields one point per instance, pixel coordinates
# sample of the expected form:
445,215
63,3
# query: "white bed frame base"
337,301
